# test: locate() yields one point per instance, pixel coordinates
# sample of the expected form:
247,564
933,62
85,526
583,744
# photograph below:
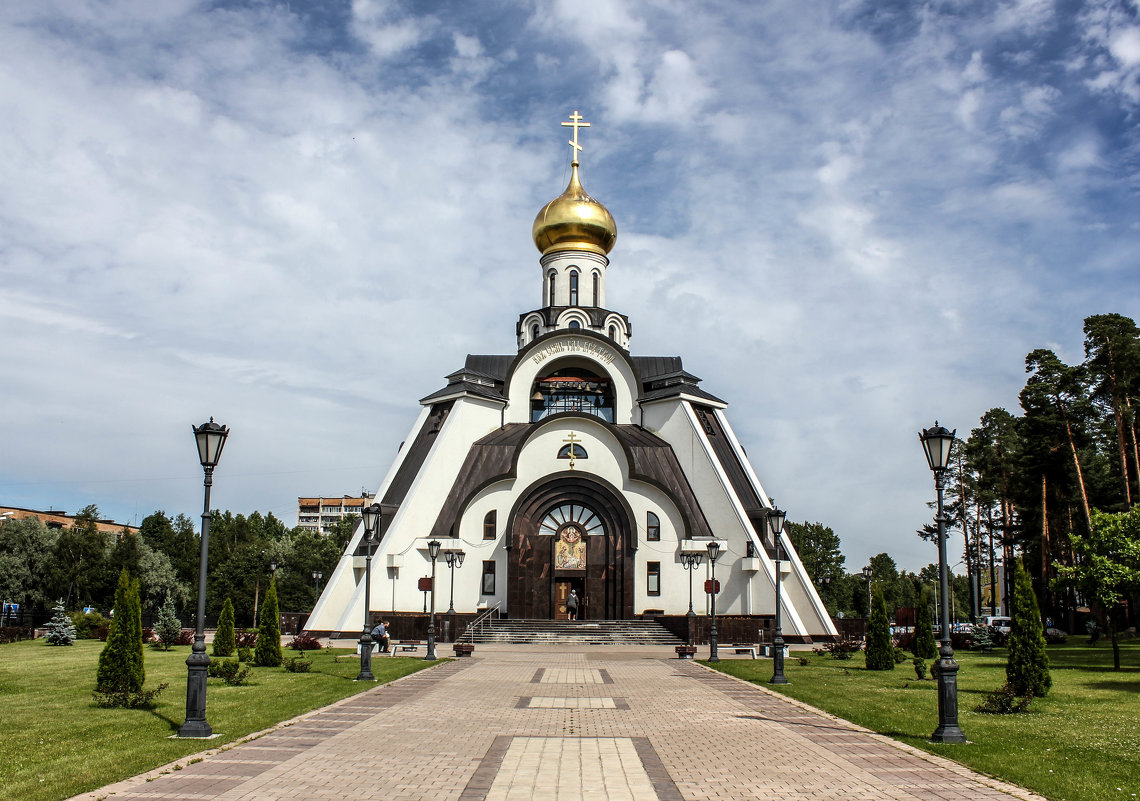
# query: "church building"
573,465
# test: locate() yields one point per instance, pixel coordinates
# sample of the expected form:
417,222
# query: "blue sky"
849,218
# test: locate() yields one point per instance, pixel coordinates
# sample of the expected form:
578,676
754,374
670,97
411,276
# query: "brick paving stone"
546,722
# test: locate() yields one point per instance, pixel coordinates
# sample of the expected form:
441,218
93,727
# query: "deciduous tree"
1107,566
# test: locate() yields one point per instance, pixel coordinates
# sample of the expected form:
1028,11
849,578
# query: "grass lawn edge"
105,791
995,782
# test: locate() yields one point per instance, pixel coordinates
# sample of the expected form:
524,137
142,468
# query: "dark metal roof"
417,453
494,458
495,367
466,388
650,367
712,431
596,314
678,389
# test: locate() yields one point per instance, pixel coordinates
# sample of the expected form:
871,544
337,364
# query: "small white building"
573,464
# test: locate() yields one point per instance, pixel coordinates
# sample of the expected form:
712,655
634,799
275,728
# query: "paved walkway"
589,724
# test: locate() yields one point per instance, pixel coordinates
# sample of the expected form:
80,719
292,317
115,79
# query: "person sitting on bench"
380,635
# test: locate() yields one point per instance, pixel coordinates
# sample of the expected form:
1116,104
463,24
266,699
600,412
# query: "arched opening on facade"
570,532
572,389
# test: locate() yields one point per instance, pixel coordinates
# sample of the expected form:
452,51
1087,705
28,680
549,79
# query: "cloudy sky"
850,218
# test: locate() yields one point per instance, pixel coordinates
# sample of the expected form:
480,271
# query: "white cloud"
213,212
385,27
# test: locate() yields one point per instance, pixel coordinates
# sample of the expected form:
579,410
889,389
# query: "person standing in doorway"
572,606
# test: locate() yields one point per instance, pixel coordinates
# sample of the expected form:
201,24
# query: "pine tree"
61,631
225,641
880,649
924,645
121,661
169,628
1027,669
268,651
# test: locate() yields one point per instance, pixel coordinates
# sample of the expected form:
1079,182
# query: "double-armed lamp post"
937,441
691,561
454,559
211,438
776,525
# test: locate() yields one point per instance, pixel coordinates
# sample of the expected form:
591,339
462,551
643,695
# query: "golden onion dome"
574,221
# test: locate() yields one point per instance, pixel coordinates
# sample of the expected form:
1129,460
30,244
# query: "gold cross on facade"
575,123
570,438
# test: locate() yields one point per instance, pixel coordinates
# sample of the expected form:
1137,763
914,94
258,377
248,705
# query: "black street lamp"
937,442
454,559
433,552
867,573
691,562
776,524
211,438
372,517
317,576
714,553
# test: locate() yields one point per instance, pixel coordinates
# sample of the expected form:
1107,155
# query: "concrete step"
592,632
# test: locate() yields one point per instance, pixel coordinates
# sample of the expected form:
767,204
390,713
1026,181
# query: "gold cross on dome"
575,123
570,438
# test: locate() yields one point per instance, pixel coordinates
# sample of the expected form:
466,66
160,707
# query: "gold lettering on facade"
576,345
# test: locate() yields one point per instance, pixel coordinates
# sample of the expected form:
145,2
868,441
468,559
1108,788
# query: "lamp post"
211,438
937,442
776,524
867,573
691,561
317,576
714,552
454,559
433,552
372,517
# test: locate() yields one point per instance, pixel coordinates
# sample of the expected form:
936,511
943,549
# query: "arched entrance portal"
570,531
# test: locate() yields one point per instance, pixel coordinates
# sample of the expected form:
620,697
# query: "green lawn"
1080,743
54,741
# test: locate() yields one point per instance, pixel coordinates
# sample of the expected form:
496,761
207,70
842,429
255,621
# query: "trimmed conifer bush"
268,651
880,649
121,670
1027,668
61,631
924,645
169,627
225,641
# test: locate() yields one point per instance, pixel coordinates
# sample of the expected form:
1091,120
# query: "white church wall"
806,609
339,596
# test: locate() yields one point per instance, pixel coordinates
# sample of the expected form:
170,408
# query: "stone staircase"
576,632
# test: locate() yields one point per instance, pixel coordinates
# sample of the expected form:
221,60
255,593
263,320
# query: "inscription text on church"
576,345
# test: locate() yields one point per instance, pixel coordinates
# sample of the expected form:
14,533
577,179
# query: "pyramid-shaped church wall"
572,465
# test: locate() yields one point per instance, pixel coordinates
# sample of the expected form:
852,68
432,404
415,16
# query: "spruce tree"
1027,669
268,651
880,650
924,645
225,640
121,661
61,631
169,627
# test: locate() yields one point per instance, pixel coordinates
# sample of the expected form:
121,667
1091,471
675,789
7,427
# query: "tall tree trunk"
1118,415
1077,465
1132,436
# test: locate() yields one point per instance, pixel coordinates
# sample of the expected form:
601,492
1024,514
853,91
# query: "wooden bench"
685,651
744,648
